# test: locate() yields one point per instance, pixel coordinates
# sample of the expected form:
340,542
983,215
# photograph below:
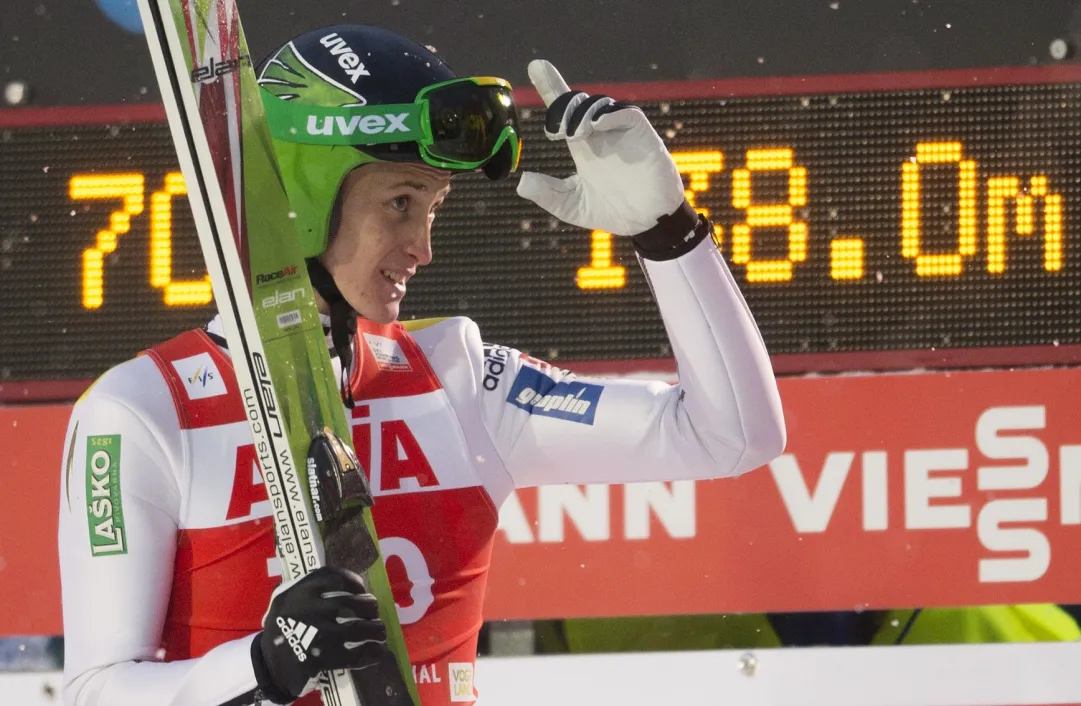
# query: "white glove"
625,178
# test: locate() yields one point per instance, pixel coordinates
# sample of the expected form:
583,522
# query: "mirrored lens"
467,120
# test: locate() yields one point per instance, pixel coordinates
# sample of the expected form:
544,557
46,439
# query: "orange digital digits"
1000,190
766,215
1035,205
1006,188
189,293
129,188
601,273
938,264
698,166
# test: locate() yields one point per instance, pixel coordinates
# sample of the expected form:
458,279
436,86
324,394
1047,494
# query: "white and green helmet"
347,95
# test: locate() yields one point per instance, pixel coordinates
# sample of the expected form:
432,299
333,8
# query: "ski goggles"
457,124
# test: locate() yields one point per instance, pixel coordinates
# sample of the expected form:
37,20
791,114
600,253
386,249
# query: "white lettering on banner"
513,522
924,482
991,445
416,571
930,479
1069,469
811,512
998,512
921,487
1018,539
589,510
675,509
876,506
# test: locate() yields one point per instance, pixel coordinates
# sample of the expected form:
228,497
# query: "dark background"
71,53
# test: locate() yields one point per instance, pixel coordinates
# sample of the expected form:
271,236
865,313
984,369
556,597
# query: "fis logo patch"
201,376
539,394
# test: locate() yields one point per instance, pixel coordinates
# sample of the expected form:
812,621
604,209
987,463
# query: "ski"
321,506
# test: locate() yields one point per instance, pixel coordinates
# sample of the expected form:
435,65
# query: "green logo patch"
103,509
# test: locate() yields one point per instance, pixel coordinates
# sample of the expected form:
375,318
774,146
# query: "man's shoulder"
440,325
450,344
139,382
130,397
453,331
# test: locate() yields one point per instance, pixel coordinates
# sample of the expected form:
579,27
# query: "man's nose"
420,247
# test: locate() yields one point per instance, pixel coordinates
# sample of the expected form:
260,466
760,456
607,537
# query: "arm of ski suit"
723,418
116,559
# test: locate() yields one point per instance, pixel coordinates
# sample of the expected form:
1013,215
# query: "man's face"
385,234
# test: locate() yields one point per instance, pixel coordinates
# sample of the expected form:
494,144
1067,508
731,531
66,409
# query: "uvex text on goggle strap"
457,124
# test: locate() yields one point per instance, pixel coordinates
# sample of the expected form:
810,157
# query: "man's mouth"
398,279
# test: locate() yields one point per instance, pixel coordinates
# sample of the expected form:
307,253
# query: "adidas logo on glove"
299,636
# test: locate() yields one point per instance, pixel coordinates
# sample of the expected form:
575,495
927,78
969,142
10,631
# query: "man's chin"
381,314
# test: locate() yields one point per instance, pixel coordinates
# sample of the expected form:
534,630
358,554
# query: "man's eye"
400,203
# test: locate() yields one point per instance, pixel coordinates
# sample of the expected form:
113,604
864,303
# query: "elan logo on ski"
216,69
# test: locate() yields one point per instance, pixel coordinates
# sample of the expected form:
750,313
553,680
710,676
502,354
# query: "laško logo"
284,272
104,509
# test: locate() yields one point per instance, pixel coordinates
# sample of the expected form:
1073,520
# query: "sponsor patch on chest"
388,354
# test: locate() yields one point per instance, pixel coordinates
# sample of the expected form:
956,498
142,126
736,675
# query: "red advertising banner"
895,490
32,439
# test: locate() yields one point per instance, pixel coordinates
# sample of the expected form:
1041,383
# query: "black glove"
325,621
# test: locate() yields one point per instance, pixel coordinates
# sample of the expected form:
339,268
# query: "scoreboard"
859,214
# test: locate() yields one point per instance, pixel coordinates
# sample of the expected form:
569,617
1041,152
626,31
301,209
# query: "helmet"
347,95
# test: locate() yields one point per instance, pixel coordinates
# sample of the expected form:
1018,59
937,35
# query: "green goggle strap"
364,125
359,125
